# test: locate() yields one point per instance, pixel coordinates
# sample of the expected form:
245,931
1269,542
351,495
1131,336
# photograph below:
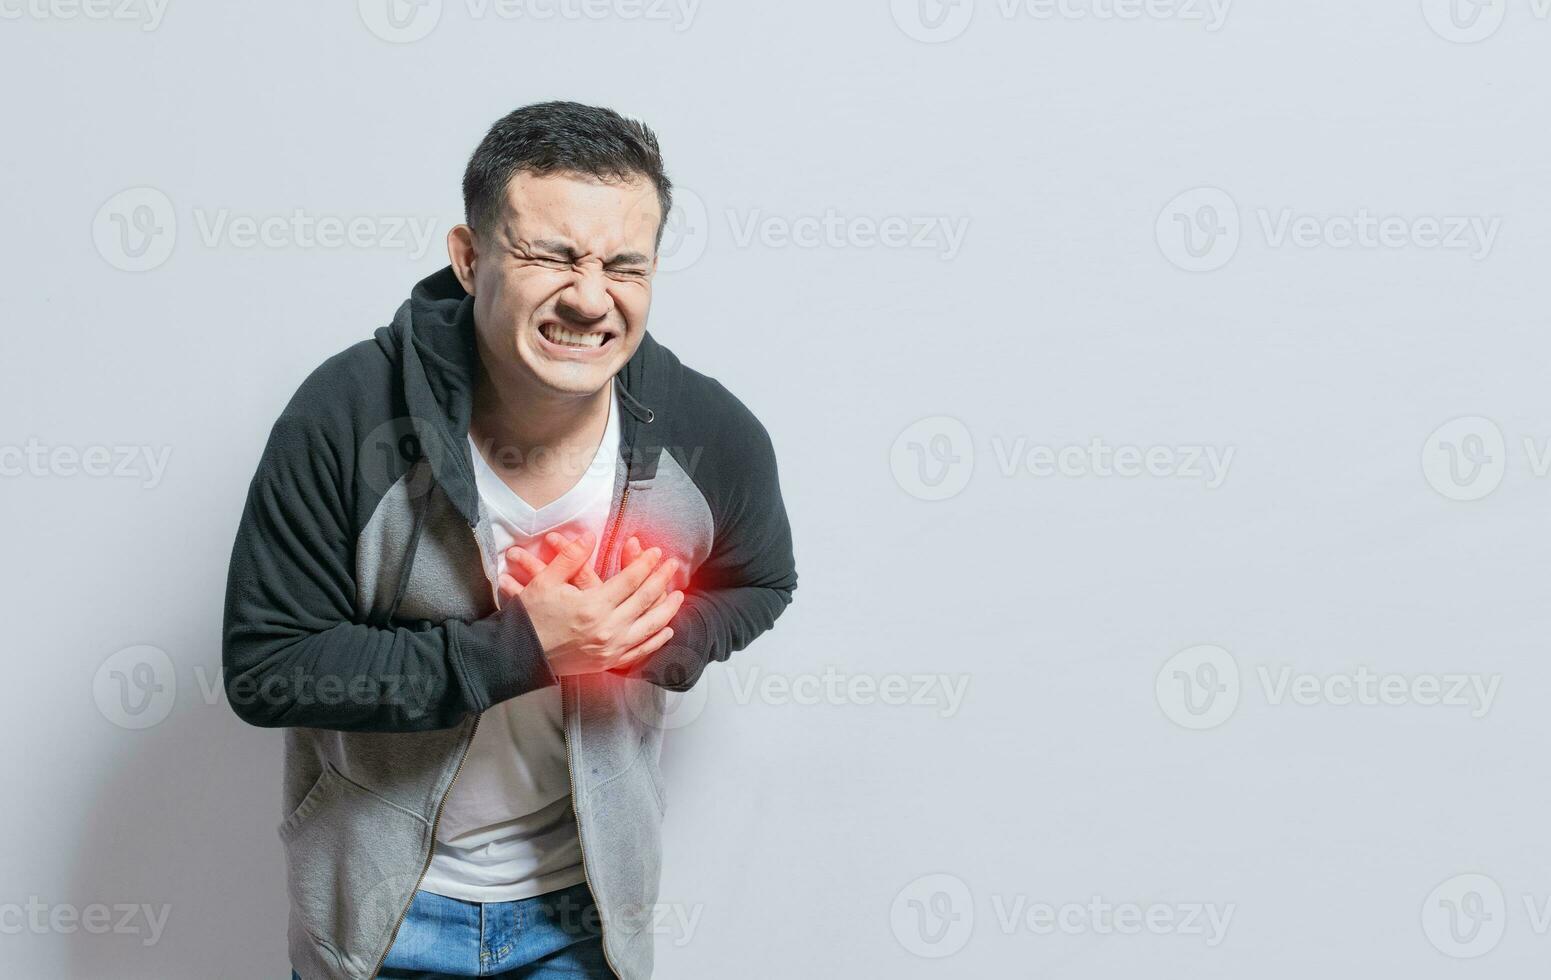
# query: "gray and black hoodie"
361,617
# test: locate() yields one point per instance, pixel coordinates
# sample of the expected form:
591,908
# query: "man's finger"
619,588
587,578
632,550
509,586
571,559
522,565
655,585
643,649
654,618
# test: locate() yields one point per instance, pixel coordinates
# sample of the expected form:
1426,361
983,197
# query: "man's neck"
511,417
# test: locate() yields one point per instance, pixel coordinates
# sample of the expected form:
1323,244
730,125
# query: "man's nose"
587,299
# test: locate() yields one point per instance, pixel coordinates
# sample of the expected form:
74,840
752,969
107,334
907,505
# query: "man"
478,548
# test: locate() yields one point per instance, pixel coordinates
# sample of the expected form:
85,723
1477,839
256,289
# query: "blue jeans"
547,937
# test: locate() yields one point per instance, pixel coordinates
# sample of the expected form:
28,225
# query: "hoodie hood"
432,340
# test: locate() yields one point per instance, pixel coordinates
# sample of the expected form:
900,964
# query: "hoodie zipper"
565,733
565,728
430,852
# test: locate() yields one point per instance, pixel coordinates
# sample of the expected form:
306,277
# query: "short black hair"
560,137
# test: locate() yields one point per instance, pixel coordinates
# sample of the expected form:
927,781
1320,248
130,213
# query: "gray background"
799,834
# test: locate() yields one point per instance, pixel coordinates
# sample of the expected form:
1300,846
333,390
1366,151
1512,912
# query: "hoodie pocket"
353,860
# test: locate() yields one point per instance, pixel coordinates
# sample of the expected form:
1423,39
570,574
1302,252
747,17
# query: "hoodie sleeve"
294,653
748,579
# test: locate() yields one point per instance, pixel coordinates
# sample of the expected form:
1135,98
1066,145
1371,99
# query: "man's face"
562,281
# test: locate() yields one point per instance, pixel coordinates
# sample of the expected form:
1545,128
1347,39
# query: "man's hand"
522,565
587,625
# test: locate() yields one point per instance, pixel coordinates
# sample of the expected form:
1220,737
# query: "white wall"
799,834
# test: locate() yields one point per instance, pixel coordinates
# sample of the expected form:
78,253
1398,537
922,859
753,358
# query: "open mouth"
572,339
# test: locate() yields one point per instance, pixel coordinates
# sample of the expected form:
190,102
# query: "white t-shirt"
507,830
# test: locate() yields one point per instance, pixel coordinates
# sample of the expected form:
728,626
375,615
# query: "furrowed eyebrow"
556,246
566,251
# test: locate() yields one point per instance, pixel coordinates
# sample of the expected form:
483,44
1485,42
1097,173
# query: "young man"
477,549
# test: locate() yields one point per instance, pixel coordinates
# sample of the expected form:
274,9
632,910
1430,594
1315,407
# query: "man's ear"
462,253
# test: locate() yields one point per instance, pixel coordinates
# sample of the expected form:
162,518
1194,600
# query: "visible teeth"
561,335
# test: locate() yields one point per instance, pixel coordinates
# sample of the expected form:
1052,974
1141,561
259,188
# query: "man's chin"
572,378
